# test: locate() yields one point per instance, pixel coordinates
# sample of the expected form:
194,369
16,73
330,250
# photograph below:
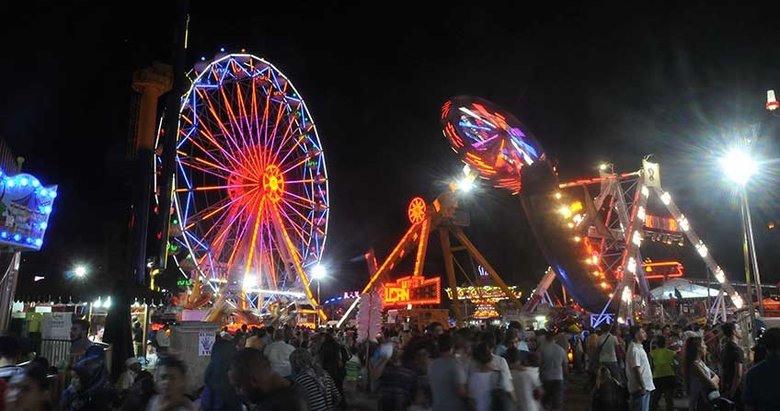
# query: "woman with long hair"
318,385
700,381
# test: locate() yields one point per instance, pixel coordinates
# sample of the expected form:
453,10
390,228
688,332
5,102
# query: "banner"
651,173
205,342
56,326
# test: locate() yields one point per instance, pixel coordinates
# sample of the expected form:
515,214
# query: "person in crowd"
256,340
606,352
483,377
138,338
10,350
354,369
318,386
151,357
761,391
333,358
139,394
524,368
278,353
434,329
90,387
218,394
126,379
662,362
638,373
732,359
163,339
260,386
700,381
79,343
170,382
447,379
28,391
511,339
609,394
397,380
555,366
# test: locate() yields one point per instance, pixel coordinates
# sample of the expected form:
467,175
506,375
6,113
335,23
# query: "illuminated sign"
487,293
414,290
25,205
663,269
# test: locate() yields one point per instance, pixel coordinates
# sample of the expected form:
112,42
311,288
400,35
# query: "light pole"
318,272
739,167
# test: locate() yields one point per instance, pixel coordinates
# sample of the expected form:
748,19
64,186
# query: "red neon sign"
663,269
413,290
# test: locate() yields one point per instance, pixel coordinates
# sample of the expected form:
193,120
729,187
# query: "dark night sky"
594,83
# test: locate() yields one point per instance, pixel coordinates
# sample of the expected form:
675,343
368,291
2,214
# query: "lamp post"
318,272
739,167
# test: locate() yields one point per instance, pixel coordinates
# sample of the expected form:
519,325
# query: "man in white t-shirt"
606,350
555,365
638,372
278,354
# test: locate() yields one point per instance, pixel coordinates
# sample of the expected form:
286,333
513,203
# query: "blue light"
4,234
17,237
202,59
10,183
46,209
43,192
38,242
28,240
52,194
24,181
222,49
36,183
44,225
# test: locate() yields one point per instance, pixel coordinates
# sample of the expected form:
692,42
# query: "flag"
678,294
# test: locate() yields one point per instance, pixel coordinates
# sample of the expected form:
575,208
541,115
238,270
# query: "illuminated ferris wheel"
251,187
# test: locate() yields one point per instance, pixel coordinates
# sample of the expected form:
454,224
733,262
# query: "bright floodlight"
318,272
465,184
738,166
250,282
80,271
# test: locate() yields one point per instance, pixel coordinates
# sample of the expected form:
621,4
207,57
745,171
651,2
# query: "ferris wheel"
251,186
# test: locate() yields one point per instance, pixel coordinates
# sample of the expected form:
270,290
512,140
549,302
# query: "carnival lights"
251,195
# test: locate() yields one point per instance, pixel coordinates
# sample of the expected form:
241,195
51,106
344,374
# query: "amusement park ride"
251,206
592,242
441,216
250,190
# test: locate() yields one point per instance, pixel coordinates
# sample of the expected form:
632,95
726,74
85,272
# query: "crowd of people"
473,368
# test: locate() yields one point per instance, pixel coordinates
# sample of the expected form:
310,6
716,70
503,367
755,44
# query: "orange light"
577,239
596,273
604,284
413,290
575,206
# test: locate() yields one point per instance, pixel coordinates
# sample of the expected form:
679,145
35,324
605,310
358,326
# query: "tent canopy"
685,287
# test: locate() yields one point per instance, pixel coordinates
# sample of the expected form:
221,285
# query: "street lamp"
739,167
318,272
80,271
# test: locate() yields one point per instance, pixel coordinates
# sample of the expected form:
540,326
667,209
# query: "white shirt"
637,357
481,382
278,353
607,353
525,382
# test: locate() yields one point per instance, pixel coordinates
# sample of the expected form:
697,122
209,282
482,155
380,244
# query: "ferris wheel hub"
273,183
